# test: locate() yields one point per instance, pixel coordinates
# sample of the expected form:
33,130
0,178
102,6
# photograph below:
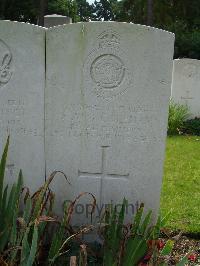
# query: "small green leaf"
2,170
183,261
167,248
34,247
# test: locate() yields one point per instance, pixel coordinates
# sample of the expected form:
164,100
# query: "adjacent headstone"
186,84
107,94
56,20
22,81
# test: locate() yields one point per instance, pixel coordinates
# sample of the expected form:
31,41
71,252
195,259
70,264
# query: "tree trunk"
42,11
150,12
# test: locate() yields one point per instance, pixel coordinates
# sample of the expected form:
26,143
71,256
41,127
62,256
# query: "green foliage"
183,261
9,211
28,253
178,113
19,10
22,233
2,173
191,127
132,11
167,248
63,7
113,234
136,246
127,245
9,204
57,240
85,11
103,10
187,42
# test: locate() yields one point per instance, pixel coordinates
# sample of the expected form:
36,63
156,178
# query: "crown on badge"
108,39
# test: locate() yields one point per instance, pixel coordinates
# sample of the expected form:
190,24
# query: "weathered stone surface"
22,81
108,86
186,84
56,20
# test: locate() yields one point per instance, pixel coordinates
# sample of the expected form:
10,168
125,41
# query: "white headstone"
107,94
22,81
56,20
186,84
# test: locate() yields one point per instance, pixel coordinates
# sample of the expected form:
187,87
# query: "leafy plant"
13,234
178,113
191,127
127,245
9,203
21,233
113,235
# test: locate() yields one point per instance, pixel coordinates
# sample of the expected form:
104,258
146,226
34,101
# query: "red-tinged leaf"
192,257
45,218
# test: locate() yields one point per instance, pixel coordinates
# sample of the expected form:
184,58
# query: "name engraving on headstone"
5,63
123,121
12,119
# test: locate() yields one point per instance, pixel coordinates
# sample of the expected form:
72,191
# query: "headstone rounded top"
116,24
17,24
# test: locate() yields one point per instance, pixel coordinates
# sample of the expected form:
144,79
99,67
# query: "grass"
181,184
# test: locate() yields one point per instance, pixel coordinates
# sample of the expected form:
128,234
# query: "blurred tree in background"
84,10
63,7
20,10
179,16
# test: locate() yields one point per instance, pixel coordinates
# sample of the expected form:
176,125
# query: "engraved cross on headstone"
103,175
